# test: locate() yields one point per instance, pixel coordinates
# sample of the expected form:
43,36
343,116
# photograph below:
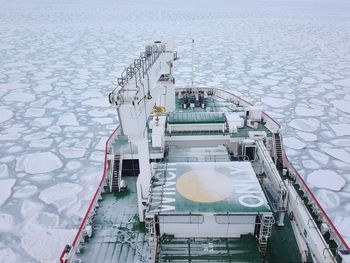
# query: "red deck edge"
318,204
93,199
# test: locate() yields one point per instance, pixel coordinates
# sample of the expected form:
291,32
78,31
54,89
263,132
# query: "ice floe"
72,152
293,143
4,171
19,96
60,193
339,154
40,162
6,222
34,112
328,199
67,119
8,255
306,125
6,189
275,102
5,114
341,129
26,191
305,111
327,179
319,157
45,244
96,102
342,105
306,136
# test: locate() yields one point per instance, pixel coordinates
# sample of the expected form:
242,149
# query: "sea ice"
304,111
26,191
342,129
328,199
275,102
5,114
6,223
103,121
339,154
97,102
19,96
310,164
73,165
308,137
342,82
327,179
293,143
59,192
34,112
306,125
72,152
97,156
6,189
42,144
341,142
8,255
4,171
46,244
342,105
97,113
40,162
42,122
30,208
101,144
36,136
67,119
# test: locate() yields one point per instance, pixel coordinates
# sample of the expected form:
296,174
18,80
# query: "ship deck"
118,235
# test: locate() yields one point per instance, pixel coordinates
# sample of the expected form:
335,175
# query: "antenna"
192,63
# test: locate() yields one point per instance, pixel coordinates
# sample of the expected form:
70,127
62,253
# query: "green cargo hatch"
195,117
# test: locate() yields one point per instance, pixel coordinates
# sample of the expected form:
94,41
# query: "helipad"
206,187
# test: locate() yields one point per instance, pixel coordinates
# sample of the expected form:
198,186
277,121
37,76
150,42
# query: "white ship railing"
69,251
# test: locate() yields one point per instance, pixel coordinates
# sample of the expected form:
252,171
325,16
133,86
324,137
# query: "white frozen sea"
59,59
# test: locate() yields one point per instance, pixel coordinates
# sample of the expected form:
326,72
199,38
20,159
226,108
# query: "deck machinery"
199,175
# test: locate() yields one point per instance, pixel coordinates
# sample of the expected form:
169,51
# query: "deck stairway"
243,249
278,150
265,233
116,178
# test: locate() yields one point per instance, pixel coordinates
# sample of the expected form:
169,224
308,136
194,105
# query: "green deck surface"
195,117
118,236
243,249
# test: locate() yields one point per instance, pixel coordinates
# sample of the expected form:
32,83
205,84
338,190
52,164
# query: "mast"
146,83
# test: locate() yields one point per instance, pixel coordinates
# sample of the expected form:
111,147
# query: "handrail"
330,223
68,248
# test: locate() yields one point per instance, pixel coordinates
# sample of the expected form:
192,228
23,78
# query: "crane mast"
144,85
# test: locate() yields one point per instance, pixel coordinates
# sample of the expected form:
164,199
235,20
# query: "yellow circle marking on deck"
204,186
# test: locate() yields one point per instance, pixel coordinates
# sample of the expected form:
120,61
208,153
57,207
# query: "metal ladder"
116,178
265,232
278,151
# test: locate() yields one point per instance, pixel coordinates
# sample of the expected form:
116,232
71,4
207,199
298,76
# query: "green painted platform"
206,187
243,249
195,117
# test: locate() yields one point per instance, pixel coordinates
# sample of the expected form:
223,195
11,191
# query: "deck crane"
144,85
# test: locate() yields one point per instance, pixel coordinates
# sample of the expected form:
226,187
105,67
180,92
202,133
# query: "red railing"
77,236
